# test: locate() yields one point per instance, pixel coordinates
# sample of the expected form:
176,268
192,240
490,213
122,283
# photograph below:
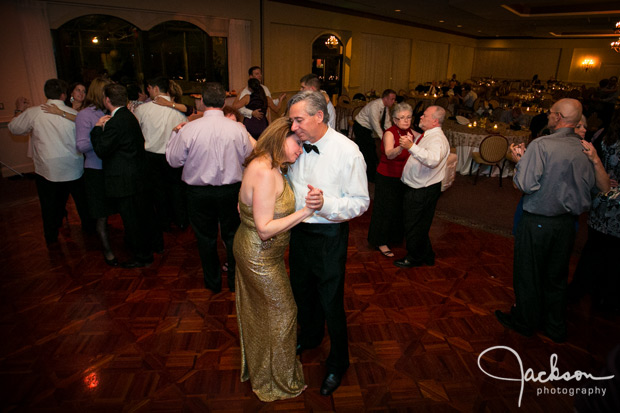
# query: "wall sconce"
95,40
587,64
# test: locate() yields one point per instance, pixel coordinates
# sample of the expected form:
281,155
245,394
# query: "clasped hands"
517,151
314,198
406,141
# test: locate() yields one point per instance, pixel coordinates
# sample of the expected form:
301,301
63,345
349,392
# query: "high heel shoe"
112,263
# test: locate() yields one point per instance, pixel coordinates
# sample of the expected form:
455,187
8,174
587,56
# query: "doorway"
327,51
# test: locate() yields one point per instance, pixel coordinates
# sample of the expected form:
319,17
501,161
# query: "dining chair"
479,101
443,102
412,102
494,103
354,113
450,174
492,151
344,100
574,94
419,108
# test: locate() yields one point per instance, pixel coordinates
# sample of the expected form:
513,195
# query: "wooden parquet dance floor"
80,336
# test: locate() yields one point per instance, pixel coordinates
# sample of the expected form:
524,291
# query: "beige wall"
290,31
288,35
565,54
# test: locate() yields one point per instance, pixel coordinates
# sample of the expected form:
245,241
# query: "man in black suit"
117,139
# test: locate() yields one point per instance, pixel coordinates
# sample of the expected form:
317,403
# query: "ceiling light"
331,42
95,40
441,21
459,25
616,45
397,11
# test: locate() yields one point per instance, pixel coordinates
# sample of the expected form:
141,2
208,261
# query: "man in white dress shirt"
58,166
369,126
255,72
318,247
312,83
423,173
166,190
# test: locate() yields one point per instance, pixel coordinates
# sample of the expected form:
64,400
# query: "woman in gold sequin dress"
266,310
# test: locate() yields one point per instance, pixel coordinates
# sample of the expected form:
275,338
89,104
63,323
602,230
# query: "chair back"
419,108
355,111
411,101
494,103
477,104
493,148
442,101
344,101
450,175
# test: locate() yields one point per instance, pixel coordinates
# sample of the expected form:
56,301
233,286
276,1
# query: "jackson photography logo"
543,377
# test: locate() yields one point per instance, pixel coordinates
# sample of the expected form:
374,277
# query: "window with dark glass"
93,45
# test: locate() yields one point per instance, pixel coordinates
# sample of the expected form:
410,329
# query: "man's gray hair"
439,114
314,102
401,107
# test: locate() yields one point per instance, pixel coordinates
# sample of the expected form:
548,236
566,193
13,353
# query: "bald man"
556,178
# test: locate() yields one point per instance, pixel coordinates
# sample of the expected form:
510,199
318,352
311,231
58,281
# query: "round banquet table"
467,140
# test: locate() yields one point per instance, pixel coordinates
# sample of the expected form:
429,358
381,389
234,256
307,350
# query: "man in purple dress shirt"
212,150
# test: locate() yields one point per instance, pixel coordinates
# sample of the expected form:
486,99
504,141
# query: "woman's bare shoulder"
260,167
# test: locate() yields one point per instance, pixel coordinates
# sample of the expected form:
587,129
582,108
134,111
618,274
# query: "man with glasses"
556,178
423,173
369,126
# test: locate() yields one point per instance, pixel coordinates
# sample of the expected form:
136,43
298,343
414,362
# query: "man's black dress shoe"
407,263
137,263
507,321
330,384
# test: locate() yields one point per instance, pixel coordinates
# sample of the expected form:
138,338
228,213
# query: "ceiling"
489,18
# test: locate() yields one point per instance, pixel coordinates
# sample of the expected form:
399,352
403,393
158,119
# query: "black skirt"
386,223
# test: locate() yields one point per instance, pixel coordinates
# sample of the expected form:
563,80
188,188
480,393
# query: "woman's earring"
71,99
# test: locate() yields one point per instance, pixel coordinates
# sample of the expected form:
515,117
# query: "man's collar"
115,110
321,138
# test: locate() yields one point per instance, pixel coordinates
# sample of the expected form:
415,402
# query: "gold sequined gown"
266,310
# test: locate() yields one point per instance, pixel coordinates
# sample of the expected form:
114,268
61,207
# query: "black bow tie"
309,147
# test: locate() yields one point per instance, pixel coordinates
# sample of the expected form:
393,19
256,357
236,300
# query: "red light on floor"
91,380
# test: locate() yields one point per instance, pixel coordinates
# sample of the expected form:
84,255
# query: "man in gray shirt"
556,178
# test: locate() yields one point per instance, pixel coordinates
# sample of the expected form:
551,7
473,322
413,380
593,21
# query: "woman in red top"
386,222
